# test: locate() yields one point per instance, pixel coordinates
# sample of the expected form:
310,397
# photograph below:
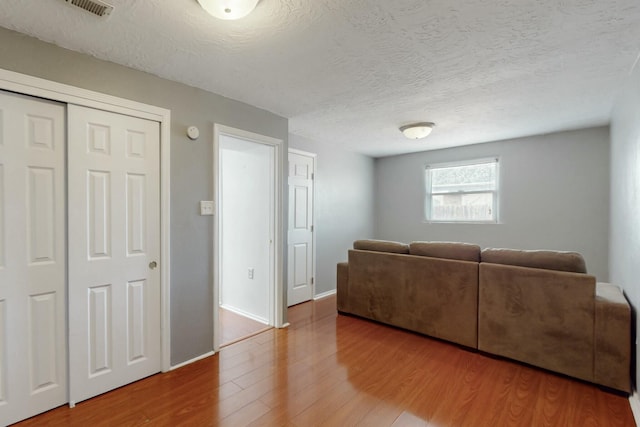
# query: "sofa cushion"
381,246
549,260
449,250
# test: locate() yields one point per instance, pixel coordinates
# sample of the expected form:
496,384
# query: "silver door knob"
153,265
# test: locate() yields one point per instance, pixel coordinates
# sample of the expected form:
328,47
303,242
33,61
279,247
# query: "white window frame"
429,194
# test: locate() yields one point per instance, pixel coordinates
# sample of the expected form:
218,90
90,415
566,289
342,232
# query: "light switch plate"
206,207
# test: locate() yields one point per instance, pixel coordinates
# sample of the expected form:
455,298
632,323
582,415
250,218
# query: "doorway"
247,284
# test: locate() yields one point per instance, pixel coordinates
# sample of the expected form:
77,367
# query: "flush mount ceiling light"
417,130
228,9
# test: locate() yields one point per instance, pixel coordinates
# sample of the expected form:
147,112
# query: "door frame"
276,297
314,157
42,88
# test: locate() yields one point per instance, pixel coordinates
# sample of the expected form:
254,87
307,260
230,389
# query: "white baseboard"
634,401
195,359
245,314
324,295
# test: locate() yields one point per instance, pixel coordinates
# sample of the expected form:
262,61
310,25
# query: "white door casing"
300,245
276,297
33,375
47,89
114,250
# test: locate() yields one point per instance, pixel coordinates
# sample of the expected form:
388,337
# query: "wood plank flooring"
234,327
332,370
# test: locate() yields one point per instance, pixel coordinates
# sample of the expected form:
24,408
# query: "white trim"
468,162
302,152
244,314
314,157
313,222
634,401
325,294
42,88
34,86
277,310
165,239
190,361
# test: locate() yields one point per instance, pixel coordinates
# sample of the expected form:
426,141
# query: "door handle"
153,265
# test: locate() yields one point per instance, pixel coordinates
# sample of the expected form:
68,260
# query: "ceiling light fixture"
228,9
417,130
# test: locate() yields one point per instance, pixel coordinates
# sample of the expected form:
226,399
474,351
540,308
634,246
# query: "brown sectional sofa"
537,307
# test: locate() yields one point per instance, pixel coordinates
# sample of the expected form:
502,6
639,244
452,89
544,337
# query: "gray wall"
624,255
343,205
191,165
554,194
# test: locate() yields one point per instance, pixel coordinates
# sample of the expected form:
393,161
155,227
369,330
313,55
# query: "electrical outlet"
251,273
206,207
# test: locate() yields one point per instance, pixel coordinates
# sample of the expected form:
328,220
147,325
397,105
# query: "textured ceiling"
351,72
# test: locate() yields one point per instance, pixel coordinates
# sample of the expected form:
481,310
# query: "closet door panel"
33,342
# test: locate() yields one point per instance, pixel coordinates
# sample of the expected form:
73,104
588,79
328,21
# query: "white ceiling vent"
96,7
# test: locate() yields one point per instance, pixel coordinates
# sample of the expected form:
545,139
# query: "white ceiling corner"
351,72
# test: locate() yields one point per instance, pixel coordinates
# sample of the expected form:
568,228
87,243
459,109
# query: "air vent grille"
96,7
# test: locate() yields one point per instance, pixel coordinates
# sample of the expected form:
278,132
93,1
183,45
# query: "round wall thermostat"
193,132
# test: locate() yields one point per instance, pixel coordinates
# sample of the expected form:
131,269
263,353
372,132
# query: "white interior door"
114,282
33,375
300,235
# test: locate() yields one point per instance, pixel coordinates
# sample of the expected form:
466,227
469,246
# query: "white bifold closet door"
33,375
114,250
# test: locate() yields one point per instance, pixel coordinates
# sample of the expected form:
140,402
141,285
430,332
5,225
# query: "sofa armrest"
342,287
612,350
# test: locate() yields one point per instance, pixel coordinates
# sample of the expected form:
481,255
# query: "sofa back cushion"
549,260
449,250
381,246
432,296
538,316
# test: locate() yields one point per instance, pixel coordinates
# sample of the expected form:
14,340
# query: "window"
462,192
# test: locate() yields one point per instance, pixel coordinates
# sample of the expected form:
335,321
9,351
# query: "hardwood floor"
235,327
332,370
